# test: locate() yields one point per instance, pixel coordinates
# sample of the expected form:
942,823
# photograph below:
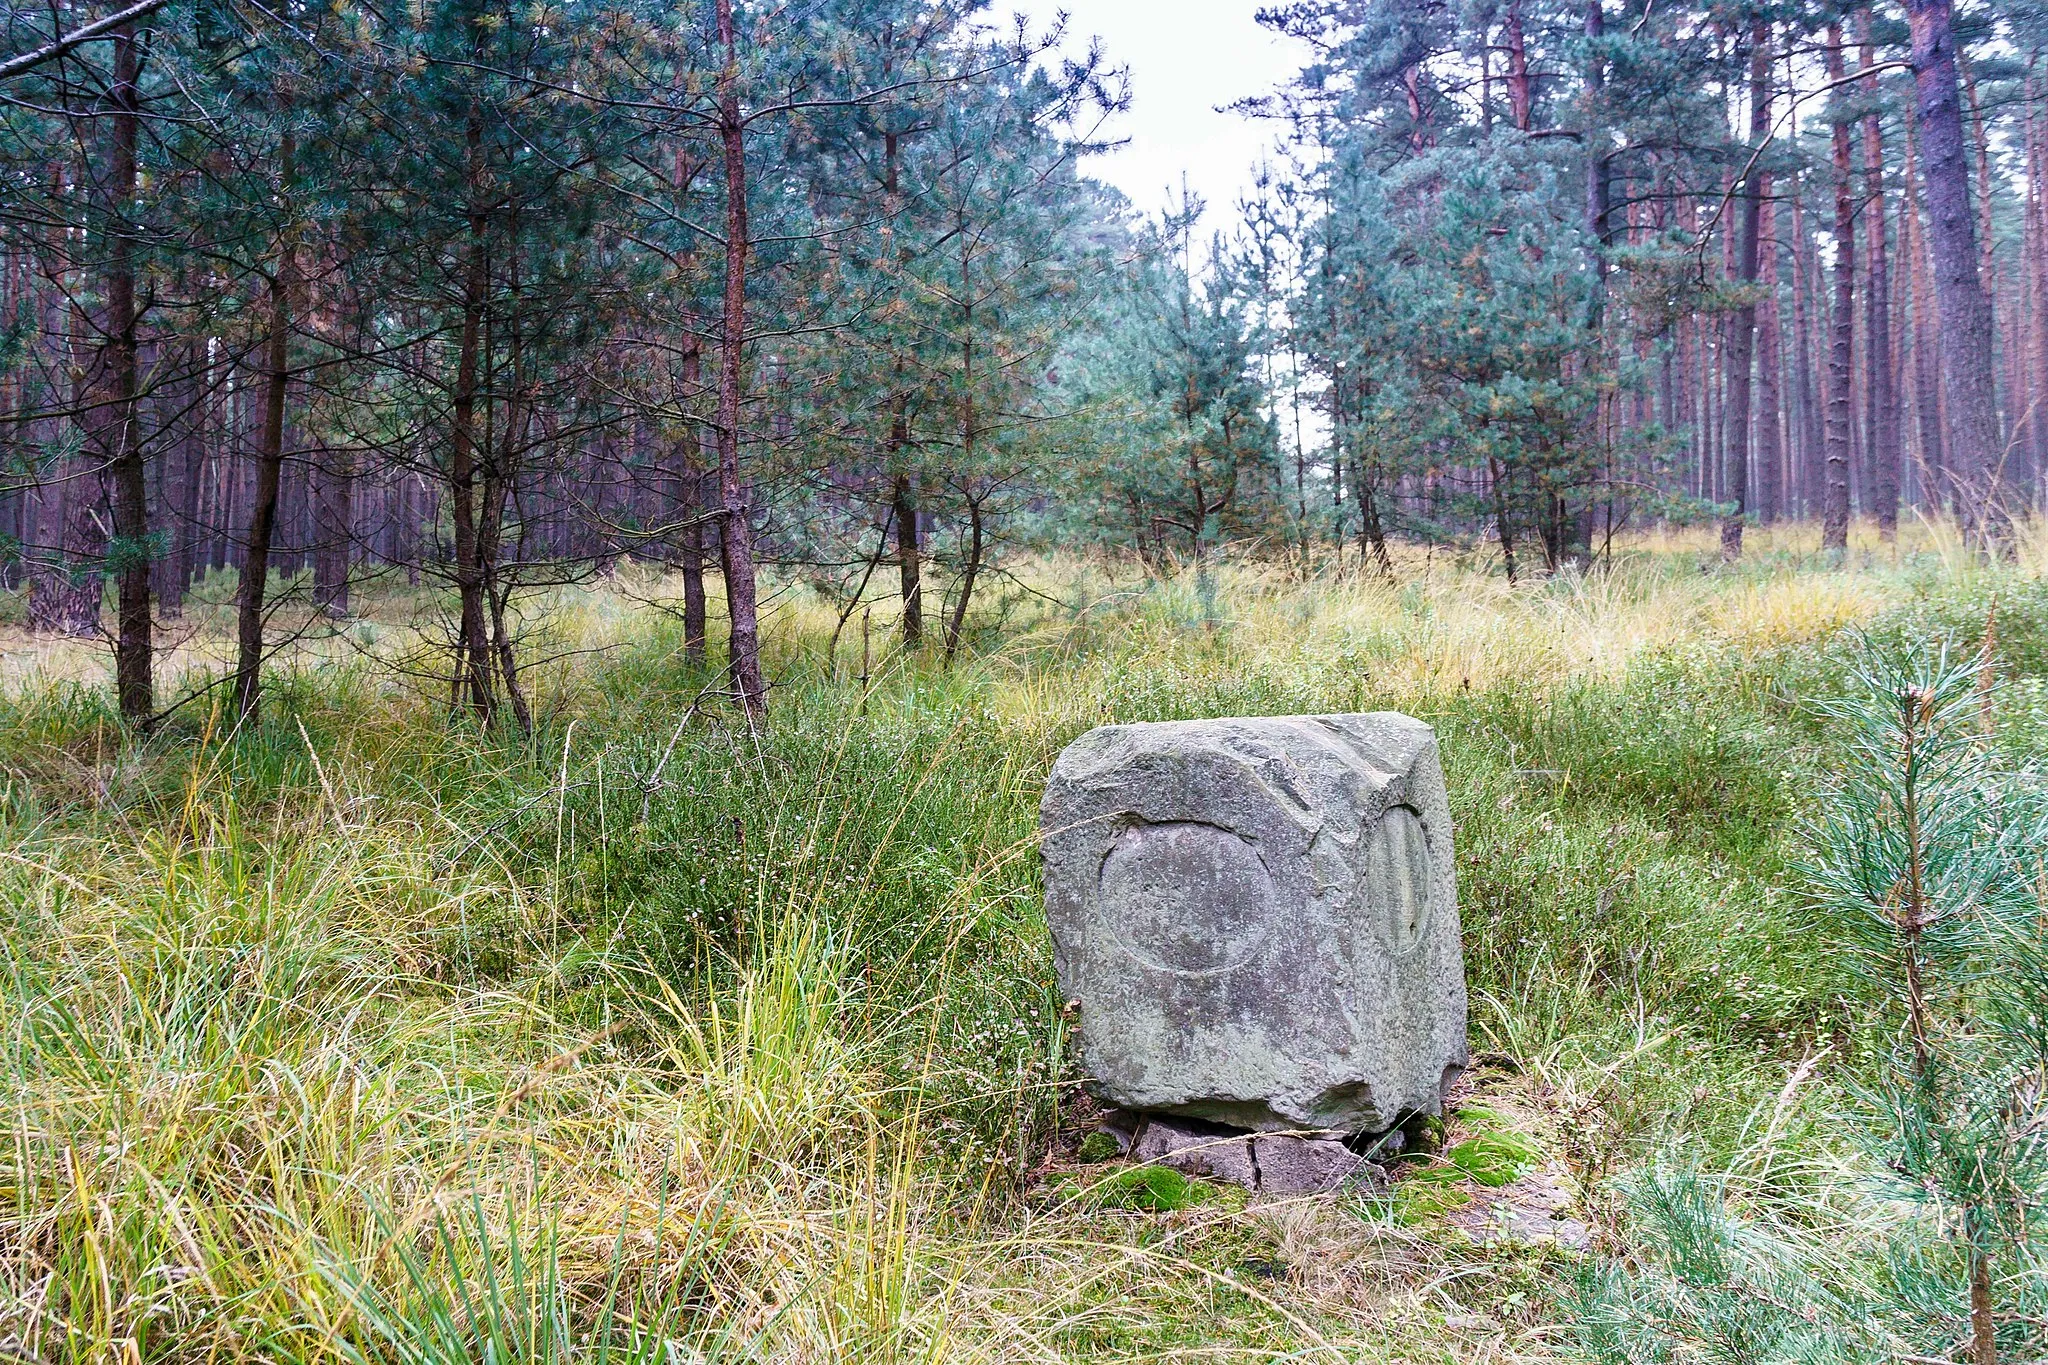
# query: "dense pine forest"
547,552
496,298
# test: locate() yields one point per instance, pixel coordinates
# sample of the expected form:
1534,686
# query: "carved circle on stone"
1397,875
1186,897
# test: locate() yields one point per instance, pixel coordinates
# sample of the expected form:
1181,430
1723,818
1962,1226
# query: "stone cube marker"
1258,919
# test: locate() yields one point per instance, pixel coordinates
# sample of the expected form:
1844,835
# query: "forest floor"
364,1036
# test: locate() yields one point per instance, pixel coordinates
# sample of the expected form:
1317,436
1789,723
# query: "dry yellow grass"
1463,619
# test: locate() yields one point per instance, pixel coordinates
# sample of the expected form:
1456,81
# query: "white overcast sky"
1186,59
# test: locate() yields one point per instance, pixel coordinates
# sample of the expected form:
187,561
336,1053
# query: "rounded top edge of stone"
1235,725
1401,716
1394,734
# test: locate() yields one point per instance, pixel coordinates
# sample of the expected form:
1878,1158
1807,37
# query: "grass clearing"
368,1037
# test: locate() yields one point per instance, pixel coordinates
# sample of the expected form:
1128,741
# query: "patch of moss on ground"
1153,1189
1492,1156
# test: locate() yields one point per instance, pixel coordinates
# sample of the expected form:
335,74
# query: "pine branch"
64,43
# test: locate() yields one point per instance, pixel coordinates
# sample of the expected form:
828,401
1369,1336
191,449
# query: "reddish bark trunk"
1973,474
1521,96
690,512
903,490
333,525
1742,329
127,475
1770,452
2035,395
249,604
1882,416
1807,478
1842,325
1926,336
909,555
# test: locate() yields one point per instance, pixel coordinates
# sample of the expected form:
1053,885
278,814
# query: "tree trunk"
1501,523
2022,360
744,652
909,558
1983,1322
690,512
968,574
496,490
405,526
255,572
1372,535
67,584
1927,398
1974,483
1521,98
1987,240
127,474
1599,206
1599,165
1770,452
228,457
192,454
1882,415
500,478
1804,480
507,659
1842,328
1742,332
2036,397
903,491
333,524
473,664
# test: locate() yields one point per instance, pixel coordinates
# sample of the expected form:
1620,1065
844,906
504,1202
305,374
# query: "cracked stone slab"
1271,1163
1258,919
1290,1163
1208,1151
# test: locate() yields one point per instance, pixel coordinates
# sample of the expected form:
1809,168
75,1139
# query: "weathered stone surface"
1291,1164
1258,918
1533,1209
